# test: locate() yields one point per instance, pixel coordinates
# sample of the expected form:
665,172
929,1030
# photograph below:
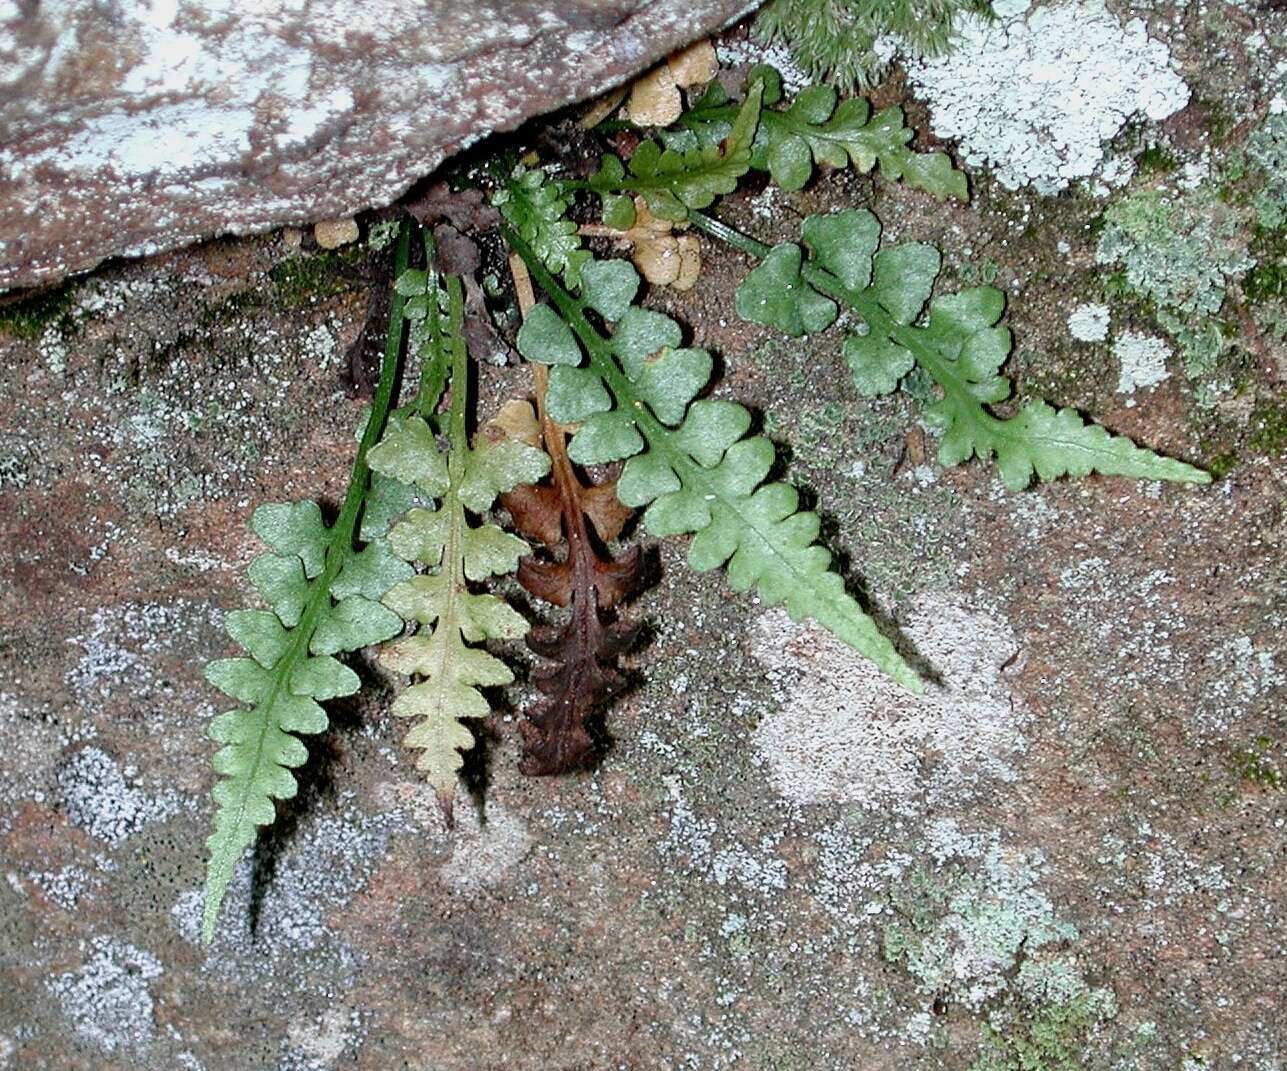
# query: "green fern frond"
960,345
324,595
537,208
689,462
814,129
464,479
673,180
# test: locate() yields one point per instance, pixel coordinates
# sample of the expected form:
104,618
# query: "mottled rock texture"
131,127
1067,856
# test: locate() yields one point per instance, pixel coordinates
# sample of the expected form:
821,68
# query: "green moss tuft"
834,40
29,317
1260,763
1269,429
1222,464
302,279
1266,282
1155,160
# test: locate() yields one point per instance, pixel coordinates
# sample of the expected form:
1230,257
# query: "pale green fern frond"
447,669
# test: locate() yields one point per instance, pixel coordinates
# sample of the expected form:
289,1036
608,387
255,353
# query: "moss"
29,317
1269,429
834,40
306,278
1260,763
1222,464
1266,282
1155,161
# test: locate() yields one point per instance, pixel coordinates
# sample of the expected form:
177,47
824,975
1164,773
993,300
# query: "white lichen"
108,1000
484,854
120,650
1089,322
1143,359
319,1044
844,731
1036,96
718,857
109,802
326,861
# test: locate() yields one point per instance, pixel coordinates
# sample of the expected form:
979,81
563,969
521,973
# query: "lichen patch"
842,731
1143,360
109,802
484,853
108,1000
1037,95
1089,322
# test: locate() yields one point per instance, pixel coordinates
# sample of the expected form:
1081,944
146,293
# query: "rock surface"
1069,855
133,127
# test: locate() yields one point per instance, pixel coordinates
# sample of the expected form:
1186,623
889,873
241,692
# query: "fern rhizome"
412,549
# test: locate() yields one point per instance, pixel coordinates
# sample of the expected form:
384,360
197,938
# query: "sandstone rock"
133,127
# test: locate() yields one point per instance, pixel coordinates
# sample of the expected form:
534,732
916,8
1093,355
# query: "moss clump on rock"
28,317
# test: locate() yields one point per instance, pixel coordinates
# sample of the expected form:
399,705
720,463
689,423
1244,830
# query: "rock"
135,127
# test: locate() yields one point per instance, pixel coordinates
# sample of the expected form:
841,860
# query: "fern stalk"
244,797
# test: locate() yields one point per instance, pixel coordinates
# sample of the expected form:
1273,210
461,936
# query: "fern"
959,345
672,180
451,618
814,129
536,208
579,676
323,593
690,462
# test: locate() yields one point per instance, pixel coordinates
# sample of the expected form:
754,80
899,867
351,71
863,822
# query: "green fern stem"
242,829
833,609
965,407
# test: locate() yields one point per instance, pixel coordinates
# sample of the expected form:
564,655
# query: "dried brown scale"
581,677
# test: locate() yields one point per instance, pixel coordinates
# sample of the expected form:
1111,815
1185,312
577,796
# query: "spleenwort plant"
814,129
452,620
627,390
690,463
959,345
324,594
